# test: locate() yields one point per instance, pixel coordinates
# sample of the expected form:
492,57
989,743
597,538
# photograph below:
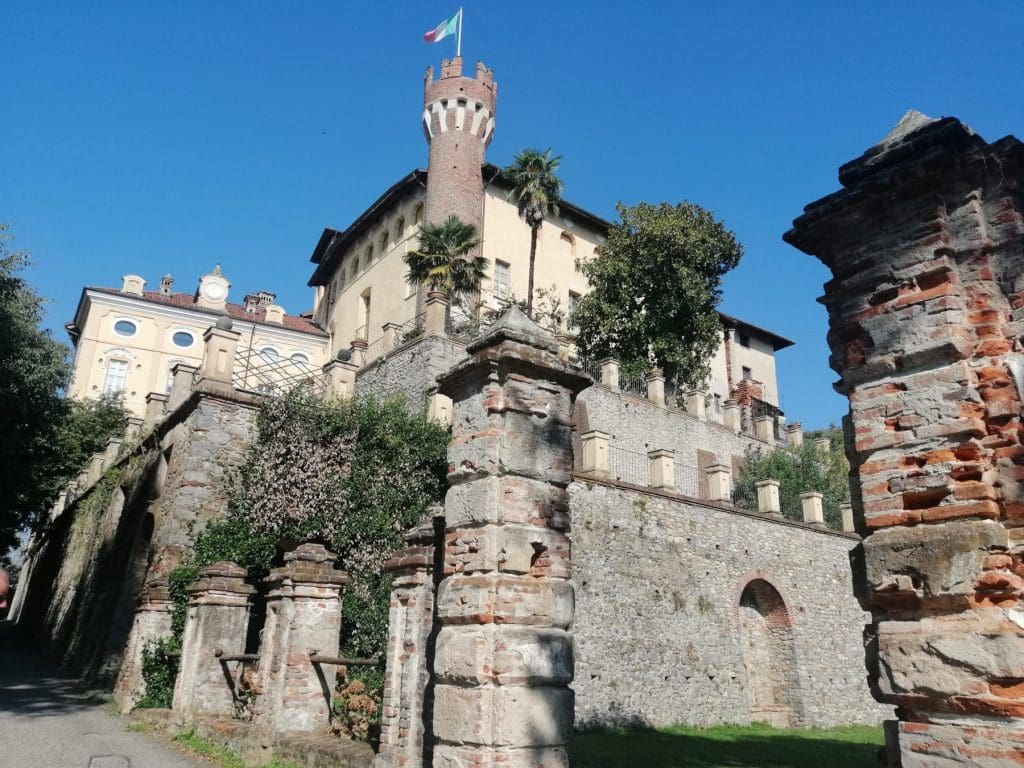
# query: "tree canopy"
536,189
656,285
443,260
798,470
44,438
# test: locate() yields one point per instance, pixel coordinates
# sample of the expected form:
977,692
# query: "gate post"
925,307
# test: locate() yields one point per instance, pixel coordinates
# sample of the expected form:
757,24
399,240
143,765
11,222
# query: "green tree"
799,470
536,189
443,260
656,285
33,371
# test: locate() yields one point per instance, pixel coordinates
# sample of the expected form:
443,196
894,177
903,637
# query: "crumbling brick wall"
926,308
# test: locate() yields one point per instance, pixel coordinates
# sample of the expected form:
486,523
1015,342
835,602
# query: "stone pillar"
219,354
407,672
610,372
133,427
504,654
341,378
719,483
822,445
437,313
764,429
112,451
156,407
439,408
768,497
95,469
925,323
183,383
846,511
218,618
794,435
656,386
596,454
731,415
814,512
390,339
358,347
696,403
303,616
663,469
152,624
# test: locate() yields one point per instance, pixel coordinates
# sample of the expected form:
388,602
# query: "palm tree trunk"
533,259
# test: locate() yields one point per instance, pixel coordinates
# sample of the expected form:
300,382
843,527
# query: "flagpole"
458,44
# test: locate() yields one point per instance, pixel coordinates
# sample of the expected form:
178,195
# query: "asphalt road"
46,721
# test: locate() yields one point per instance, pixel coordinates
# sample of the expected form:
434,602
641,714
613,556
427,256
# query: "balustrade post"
719,483
811,502
610,372
656,386
663,469
596,455
768,497
220,352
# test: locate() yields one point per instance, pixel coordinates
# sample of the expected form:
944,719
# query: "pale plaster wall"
151,352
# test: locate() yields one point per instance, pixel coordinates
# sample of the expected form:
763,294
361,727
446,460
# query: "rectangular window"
744,339
117,372
747,373
502,280
574,301
364,316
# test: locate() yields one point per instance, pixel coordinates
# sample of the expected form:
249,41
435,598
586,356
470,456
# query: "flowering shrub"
356,710
354,475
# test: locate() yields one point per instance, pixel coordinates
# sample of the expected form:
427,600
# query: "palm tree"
536,189
442,261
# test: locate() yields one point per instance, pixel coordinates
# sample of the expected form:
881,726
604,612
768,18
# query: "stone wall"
638,425
89,566
411,370
660,631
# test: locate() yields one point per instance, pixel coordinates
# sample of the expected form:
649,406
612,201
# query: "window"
385,238
364,315
126,328
183,339
300,357
502,280
417,215
368,257
718,403
399,228
747,373
574,302
169,382
117,373
269,354
567,244
744,339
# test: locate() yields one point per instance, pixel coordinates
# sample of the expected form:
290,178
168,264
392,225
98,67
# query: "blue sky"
166,137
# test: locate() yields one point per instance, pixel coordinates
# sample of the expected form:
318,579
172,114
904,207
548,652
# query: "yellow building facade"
127,340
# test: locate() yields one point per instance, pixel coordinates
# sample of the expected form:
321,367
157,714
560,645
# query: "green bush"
159,670
799,470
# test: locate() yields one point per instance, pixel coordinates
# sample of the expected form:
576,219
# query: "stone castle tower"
458,120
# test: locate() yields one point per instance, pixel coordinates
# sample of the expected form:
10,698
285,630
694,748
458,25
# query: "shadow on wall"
727,746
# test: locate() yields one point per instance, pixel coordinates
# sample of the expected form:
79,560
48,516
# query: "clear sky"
165,137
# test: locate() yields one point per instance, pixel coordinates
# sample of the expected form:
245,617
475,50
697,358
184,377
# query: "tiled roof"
234,311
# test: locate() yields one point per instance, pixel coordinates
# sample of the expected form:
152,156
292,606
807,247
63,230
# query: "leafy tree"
536,188
656,285
33,370
443,260
45,439
799,470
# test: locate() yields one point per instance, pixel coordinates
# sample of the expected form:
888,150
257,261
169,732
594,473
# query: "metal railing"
629,466
590,367
636,384
687,480
410,329
266,375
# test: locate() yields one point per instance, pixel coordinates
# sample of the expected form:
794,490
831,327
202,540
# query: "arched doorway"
769,656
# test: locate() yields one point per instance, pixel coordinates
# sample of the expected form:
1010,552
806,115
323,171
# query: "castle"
675,606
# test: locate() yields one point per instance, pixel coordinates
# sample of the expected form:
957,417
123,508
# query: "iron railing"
629,466
687,480
270,375
636,384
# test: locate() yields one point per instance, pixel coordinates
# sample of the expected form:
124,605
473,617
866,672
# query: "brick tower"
458,121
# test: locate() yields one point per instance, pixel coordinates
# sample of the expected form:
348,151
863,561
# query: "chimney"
132,284
251,302
166,283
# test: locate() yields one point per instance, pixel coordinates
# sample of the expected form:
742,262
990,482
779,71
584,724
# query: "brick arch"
768,595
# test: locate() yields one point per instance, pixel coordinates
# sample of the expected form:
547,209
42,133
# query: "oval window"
269,354
182,339
125,328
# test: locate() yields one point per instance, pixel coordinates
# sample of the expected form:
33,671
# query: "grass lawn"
730,746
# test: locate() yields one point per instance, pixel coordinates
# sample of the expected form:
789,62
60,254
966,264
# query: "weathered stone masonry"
926,309
660,632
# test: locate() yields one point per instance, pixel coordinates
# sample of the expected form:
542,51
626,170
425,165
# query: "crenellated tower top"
449,100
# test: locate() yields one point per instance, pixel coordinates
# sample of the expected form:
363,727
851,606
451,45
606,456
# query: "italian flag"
445,28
